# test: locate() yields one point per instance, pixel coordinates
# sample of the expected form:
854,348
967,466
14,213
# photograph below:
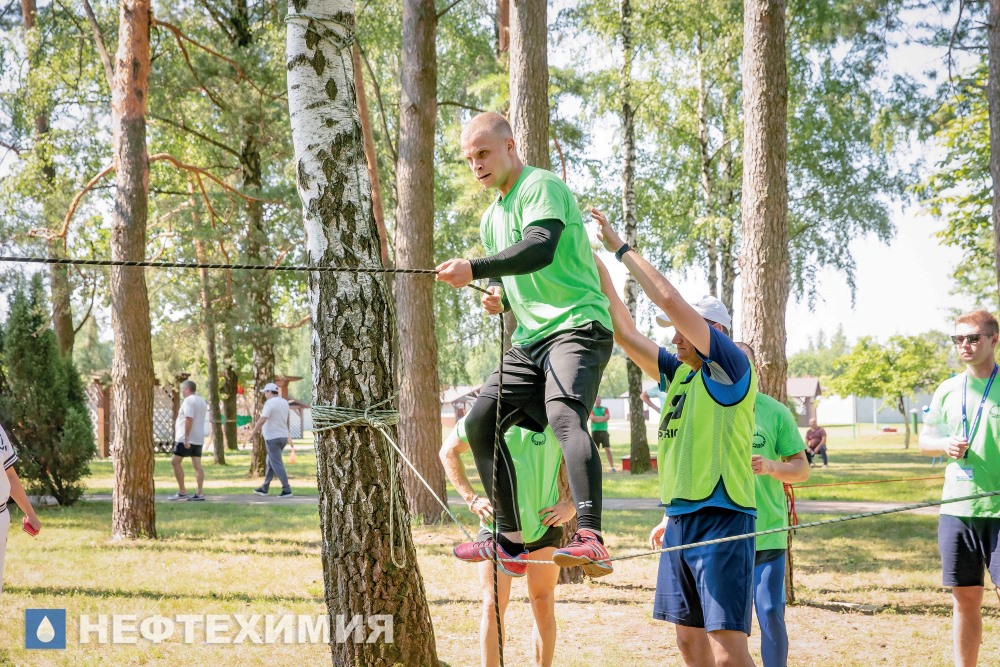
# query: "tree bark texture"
230,380
419,397
503,26
208,321
529,81
371,157
993,95
639,443
133,511
351,348
764,259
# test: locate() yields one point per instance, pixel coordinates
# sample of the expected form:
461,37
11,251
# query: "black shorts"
553,537
181,450
602,438
969,546
567,364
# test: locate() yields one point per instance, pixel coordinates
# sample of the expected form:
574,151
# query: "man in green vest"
539,265
964,423
704,461
536,458
778,458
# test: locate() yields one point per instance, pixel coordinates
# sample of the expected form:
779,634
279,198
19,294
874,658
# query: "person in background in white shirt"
189,438
274,426
11,489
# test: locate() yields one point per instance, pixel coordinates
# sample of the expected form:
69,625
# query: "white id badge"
959,473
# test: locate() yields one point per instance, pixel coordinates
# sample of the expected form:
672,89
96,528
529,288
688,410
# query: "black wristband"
621,251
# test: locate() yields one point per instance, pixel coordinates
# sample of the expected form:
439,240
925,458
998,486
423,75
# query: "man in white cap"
704,460
273,425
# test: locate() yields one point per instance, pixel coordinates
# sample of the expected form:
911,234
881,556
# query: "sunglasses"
972,339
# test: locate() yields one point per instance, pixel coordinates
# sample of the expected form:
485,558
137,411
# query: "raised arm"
661,292
638,348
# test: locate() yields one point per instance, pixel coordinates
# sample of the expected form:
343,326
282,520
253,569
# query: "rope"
212,265
785,529
496,451
868,481
329,417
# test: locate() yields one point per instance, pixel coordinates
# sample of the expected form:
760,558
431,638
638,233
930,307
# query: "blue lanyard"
969,435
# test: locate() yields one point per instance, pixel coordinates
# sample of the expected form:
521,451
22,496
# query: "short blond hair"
490,122
982,319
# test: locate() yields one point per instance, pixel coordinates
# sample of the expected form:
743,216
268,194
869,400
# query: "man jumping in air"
540,265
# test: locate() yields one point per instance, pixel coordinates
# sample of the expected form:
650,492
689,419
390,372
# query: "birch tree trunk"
419,397
639,444
133,512
764,258
353,364
993,95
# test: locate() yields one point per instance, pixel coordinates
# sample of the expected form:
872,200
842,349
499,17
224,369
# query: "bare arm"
790,469
661,292
644,352
644,397
21,498
451,459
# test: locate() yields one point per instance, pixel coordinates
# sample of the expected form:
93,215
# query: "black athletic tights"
568,419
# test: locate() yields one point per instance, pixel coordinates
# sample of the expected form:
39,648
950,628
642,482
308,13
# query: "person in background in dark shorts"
539,265
537,459
189,438
599,418
964,423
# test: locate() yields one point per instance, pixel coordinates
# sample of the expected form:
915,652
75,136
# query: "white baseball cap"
270,386
709,308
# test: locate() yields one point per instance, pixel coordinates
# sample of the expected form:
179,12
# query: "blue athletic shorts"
968,546
707,587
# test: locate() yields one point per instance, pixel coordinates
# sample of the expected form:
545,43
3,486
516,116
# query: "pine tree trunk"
352,351
419,396
59,288
764,260
208,321
259,295
503,26
529,81
639,443
229,388
133,510
727,242
371,157
993,95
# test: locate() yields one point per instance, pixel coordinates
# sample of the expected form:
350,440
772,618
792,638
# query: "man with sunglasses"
964,423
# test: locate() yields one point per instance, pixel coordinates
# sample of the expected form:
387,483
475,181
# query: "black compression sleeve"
535,251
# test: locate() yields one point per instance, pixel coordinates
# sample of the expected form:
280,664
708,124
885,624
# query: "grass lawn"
226,559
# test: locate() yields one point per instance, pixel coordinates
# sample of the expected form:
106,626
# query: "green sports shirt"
980,470
566,294
537,457
599,426
775,435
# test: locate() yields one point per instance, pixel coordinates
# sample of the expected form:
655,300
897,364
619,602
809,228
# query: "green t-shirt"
565,294
980,471
775,436
599,426
537,457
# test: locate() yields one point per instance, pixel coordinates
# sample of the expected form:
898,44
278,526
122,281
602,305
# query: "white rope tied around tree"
329,417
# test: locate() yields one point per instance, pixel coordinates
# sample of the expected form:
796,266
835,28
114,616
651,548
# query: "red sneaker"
586,551
477,552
